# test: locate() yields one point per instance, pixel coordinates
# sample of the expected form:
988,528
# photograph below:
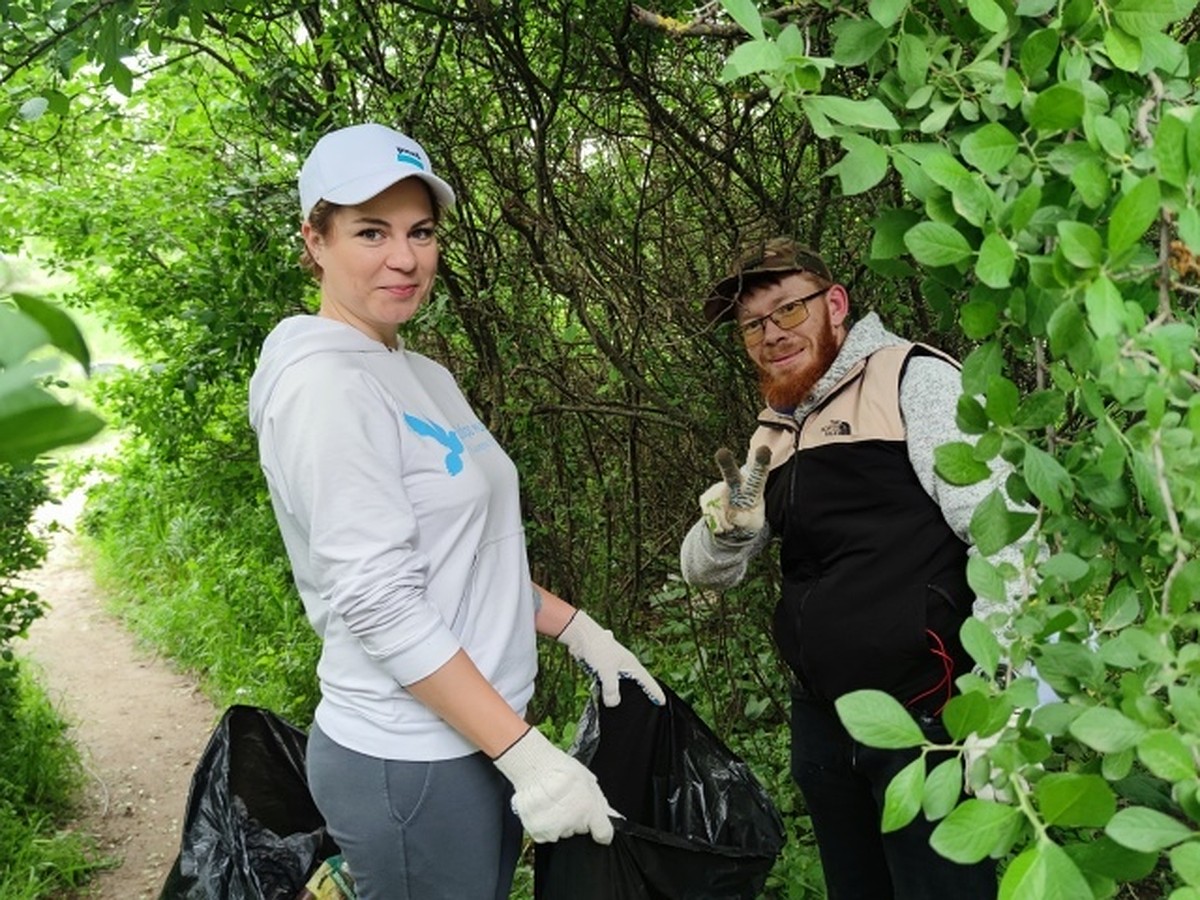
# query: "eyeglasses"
786,316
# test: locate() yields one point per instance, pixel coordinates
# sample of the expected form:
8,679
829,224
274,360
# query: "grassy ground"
39,780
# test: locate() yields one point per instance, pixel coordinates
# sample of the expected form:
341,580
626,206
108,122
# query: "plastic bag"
698,825
252,831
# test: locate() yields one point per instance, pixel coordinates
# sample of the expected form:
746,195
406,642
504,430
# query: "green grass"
39,781
207,583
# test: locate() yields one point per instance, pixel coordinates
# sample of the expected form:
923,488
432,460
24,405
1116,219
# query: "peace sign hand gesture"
734,507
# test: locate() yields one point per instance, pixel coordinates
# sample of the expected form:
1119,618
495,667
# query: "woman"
402,521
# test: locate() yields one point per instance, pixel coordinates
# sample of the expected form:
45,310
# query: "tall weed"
199,572
39,781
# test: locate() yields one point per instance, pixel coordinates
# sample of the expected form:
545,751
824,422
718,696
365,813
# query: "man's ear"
838,303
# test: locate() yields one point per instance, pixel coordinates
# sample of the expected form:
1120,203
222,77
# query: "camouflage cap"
775,255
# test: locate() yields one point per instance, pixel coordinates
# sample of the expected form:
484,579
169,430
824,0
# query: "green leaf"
1065,566
1189,227
1071,800
955,463
939,114
996,261
936,244
1109,135
1041,409
751,58
1058,108
912,61
1166,755
1185,860
1185,706
1145,17
970,416
1146,830
989,148
1121,608
940,165
943,788
1185,587
887,12
857,41
1038,51
1022,209
981,644
1001,400
889,226
120,75
967,713
855,113
864,165
990,526
1046,477
982,364
1134,214
1081,244
745,13
973,830
1044,871
1105,307
32,432
1123,49
1090,179
985,579
1108,731
974,200
902,797
878,720
980,319
1170,150
20,335
60,327
1101,855
988,14
1066,328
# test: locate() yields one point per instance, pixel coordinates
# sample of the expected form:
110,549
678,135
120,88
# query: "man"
873,551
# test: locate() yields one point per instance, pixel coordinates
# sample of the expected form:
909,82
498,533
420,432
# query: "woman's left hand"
604,656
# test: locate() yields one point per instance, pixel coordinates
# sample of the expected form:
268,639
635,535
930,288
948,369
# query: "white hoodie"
401,517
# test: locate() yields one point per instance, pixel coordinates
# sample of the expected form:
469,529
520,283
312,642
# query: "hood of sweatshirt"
294,339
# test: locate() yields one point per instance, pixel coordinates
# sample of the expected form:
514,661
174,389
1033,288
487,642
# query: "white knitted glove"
975,750
734,506
605,657
555,795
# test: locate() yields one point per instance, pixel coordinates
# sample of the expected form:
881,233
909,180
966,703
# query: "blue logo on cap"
407,156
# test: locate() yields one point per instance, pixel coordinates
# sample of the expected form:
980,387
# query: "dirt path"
139,725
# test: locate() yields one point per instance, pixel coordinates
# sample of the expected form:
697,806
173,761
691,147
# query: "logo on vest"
835,427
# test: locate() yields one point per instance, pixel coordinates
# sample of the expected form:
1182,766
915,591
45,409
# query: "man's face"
791,361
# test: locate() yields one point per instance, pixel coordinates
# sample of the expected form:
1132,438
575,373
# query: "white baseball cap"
352,165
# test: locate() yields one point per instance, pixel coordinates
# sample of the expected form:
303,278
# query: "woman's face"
378,259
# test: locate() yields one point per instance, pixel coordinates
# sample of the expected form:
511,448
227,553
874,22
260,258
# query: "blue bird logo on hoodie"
447,439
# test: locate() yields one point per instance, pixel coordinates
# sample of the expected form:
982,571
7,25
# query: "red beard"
788,390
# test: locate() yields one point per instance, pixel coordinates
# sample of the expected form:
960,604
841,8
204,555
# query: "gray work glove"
734,507
554,795
604,656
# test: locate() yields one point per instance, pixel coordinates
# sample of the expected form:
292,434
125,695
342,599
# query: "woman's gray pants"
440,830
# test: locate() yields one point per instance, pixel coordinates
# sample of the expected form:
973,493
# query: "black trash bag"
698,825
252,831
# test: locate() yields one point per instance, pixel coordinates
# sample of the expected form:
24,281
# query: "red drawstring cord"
944,683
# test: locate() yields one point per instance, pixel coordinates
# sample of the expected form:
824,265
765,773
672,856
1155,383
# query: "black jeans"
843,784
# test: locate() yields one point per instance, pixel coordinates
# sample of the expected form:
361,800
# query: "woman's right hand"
555,795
